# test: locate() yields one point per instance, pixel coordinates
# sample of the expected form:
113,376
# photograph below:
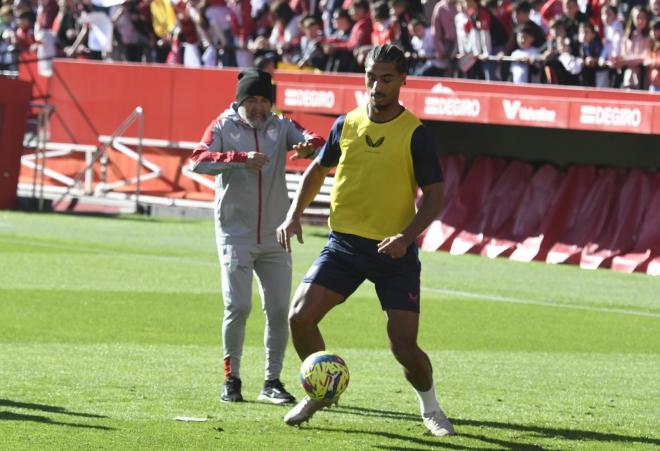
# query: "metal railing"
101,155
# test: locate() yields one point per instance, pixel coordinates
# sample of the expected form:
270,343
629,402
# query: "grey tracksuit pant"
272,266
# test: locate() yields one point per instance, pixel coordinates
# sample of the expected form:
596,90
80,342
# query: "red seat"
561,215
498,207
462,208
453,167
647,243
592,218
527,218
619,236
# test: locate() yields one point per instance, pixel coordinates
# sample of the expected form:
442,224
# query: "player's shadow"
576,435
426,442
46,408
13,416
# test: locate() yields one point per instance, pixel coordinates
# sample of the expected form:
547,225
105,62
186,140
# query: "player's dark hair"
389,53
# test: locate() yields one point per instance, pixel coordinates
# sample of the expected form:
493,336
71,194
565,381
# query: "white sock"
427,400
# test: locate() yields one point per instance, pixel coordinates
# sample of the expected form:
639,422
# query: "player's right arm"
310,186
210,157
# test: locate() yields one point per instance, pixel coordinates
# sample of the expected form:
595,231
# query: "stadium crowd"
602,43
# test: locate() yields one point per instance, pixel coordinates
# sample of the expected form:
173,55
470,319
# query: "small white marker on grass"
191,419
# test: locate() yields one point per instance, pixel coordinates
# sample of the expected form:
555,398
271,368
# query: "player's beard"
257,121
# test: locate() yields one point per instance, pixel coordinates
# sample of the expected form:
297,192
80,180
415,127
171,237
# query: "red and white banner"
516,108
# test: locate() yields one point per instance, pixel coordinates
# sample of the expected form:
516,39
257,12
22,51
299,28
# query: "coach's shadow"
569,434
13,416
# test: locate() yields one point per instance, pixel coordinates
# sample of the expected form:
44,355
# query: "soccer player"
382,153
246,148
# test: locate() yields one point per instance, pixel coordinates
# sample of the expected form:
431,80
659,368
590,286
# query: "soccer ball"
324,376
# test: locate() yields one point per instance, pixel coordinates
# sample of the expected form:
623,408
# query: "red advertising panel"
529,111
463,107
309,97
628,117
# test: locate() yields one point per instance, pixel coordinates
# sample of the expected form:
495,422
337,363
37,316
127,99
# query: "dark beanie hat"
254,82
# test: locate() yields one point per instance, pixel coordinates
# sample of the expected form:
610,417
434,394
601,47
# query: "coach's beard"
257,121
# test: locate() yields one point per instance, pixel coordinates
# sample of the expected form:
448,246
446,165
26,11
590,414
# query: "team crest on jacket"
271,132
377,143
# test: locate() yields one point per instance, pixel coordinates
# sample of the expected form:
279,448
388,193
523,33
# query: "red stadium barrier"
527,219
620,235
647,244
453,169
498,207
592,218
560,217
462,208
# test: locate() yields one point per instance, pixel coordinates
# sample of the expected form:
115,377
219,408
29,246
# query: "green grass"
110,328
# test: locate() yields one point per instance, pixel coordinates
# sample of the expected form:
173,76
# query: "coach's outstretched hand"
302,150
290,227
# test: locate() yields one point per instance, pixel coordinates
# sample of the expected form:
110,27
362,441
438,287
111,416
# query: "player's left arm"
426,165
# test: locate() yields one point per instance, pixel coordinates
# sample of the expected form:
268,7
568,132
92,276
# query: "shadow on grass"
12,416
569,434
46,408
576,435
430,442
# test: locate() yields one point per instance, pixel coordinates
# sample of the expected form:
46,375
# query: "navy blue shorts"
347,260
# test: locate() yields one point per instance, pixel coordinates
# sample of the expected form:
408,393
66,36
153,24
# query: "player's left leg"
402,328
273,271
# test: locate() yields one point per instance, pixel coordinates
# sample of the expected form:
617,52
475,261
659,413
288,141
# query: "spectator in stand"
66,26
521,18
652,61
523,68
341,51
329,8
633,50
590,50
551,10
444,35
401,16
311,44
473,37
163,22
424,50
521,13
24,34
536,17
97,30
286,33
571,64
7,38
46,13
572,19
385,28
554,71
654,8
502,10
342,24
222,29
612,38
130,32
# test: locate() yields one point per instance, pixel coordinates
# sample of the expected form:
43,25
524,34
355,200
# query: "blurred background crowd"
601,43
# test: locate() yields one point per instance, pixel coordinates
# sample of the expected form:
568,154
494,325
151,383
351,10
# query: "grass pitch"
110,328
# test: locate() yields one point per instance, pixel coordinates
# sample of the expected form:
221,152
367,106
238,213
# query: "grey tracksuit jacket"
249,204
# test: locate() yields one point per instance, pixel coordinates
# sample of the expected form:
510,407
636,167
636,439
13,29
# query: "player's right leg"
331,279
310,304
236,277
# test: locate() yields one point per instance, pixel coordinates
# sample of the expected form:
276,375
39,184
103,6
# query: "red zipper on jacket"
256,141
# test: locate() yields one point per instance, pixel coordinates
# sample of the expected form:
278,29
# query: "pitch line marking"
510,300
